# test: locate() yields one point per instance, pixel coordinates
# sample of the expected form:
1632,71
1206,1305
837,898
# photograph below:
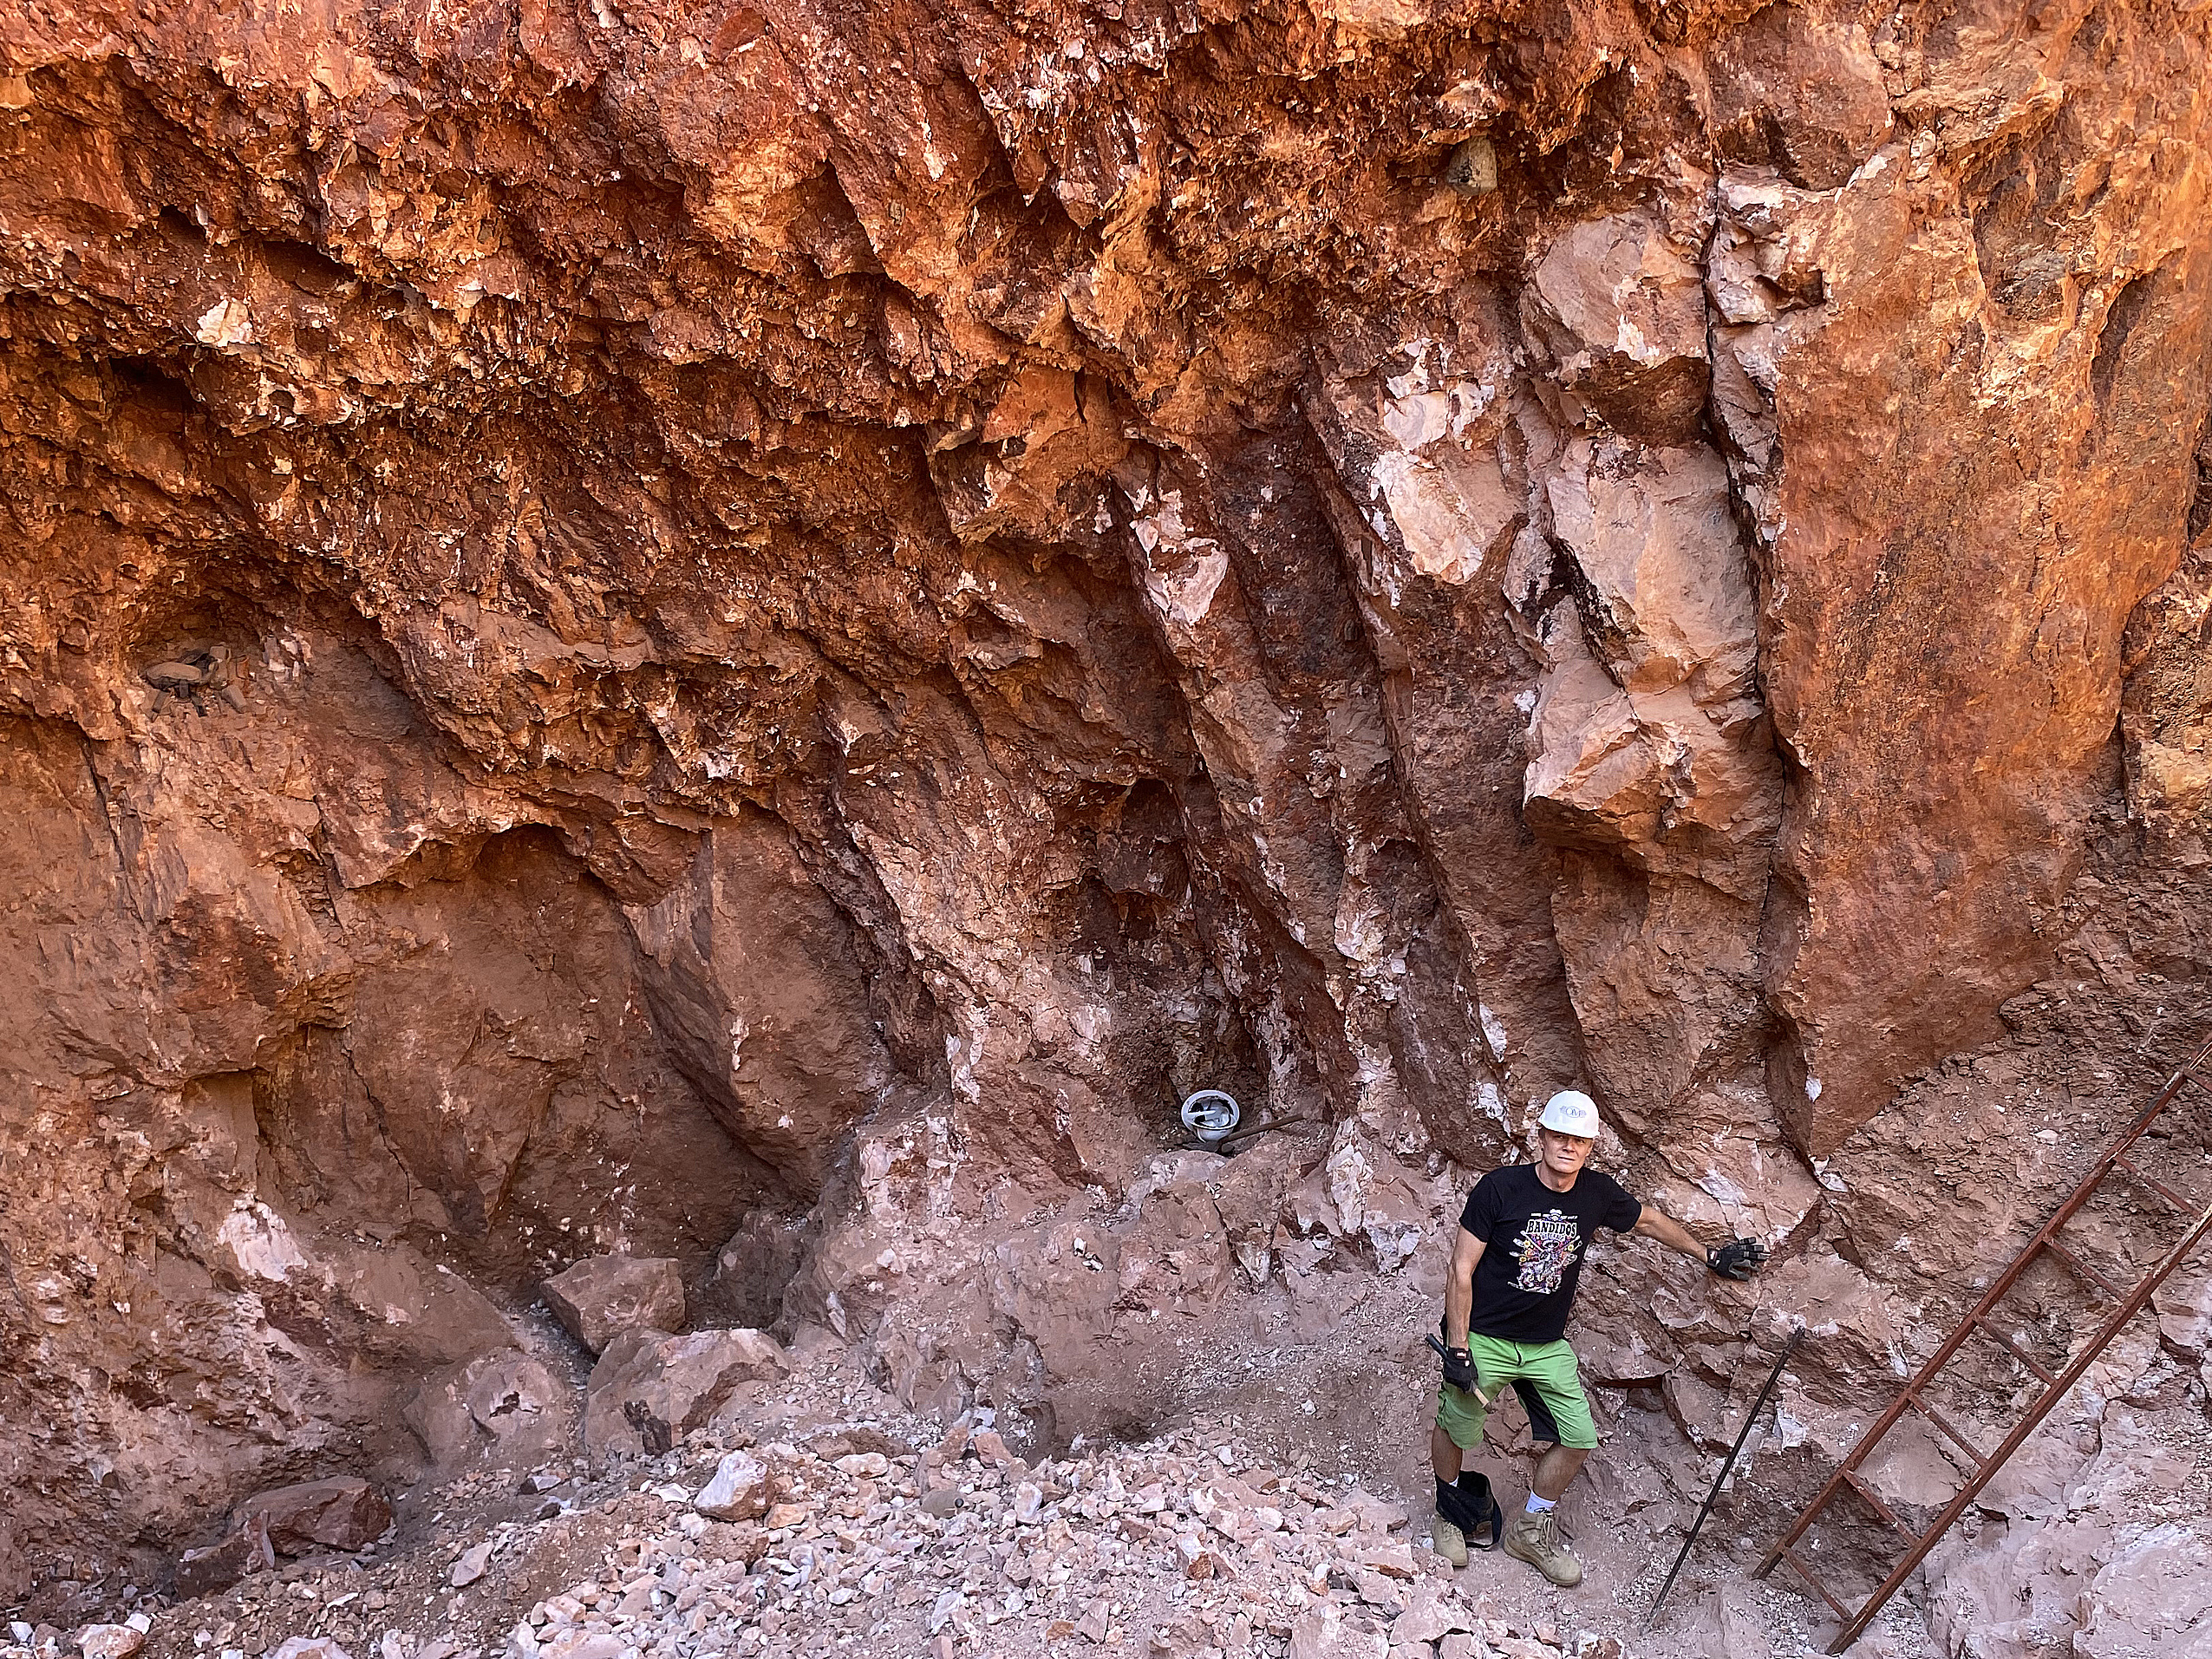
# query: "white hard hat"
1571,1111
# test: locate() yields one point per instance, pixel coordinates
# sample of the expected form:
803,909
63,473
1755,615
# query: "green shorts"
1548,1371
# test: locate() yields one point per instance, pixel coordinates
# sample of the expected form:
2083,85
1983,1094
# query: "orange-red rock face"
624,619
1996,378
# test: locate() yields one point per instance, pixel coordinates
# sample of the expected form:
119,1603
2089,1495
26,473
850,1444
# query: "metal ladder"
1984,1465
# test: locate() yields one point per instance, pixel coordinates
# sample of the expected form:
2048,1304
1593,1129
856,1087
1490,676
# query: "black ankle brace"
1469,1505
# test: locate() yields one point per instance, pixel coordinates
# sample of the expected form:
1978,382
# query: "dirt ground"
1350,1411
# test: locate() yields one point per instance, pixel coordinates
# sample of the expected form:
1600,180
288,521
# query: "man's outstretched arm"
1737,1259
1459,1290
1655,1222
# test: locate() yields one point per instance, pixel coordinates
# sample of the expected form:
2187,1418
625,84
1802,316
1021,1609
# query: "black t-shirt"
1535,1239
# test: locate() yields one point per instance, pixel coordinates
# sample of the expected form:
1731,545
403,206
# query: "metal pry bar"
1726,1464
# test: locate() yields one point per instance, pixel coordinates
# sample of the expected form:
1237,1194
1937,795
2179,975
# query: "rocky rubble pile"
1185,1547
821,1513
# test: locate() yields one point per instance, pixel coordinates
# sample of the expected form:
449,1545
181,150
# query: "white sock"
1537,1506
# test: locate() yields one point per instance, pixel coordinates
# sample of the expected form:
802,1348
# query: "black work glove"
1458,1370
1737,1259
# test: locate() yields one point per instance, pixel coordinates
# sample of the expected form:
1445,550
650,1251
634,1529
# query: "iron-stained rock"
343,1512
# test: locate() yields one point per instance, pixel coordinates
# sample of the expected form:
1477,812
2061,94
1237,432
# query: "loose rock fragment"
471,1566
1325,1632
217,1566
739,1490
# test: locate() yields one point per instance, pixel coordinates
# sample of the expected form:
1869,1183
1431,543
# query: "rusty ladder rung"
2172,1199
1875,1503
1790,1555
1990,1330
2082,1268
1973,1452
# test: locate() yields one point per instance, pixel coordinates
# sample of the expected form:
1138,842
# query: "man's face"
1563,1155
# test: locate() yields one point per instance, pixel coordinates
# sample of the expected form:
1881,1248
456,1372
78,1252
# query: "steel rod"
1873,1500
2051,1246
1806,1573
1990,1330
1944,1423
1726,1464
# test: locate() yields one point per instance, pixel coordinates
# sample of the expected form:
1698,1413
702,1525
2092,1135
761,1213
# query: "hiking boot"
1534,1538
1448,1538
1448,1541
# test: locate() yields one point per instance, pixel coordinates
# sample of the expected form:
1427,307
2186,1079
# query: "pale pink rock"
601,1296
506,1407
1432,1613
649,1390
1325,1632
739,1490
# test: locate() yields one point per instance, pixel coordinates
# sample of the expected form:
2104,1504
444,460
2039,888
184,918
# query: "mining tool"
1245,1132
2115,1166
1483,1397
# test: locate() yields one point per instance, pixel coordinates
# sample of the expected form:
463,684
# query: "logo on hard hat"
1571,1111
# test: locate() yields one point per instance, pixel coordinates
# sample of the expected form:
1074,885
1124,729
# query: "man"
1514,1268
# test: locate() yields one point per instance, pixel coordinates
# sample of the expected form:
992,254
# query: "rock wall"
647,624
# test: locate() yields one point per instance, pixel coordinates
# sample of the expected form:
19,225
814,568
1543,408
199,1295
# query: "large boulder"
602,1297
506,1407
343,1512
647,1391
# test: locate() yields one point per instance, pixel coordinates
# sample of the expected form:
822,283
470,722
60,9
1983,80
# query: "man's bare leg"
1444,1454
1556,1470
1534,1535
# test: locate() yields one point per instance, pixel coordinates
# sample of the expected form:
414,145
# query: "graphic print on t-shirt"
1545,1251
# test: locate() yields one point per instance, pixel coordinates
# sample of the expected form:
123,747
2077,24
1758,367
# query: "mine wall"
756,635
